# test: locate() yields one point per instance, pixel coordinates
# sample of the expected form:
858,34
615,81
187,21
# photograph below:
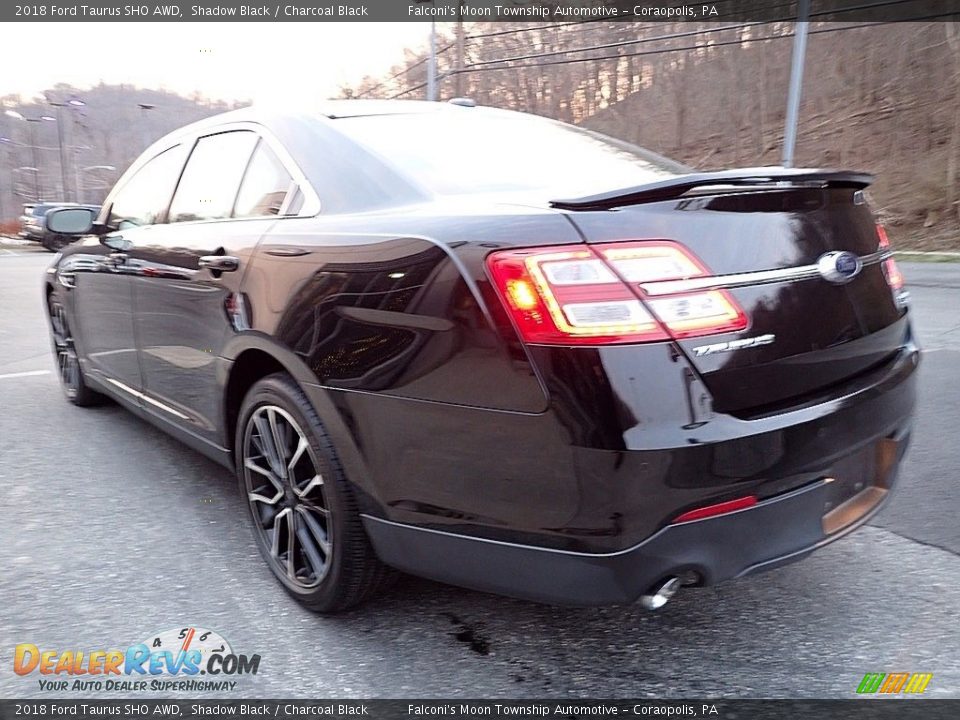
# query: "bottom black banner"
867,709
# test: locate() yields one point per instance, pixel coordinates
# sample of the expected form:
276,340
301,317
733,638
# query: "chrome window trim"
758,277
155,150
311,204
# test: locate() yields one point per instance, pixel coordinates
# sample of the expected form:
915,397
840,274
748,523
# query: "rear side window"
143,198
472,150
212,177
265,185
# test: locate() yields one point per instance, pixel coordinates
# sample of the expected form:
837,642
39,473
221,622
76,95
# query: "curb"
946,256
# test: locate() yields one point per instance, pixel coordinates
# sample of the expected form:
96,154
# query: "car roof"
274,115
358,108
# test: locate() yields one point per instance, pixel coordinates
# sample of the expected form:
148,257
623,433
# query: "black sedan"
496,350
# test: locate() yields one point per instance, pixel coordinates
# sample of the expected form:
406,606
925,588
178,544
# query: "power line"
408,91
702,47
621,43
687,33
867,6
447,47
588,21
484,65
405,70
609,21
641,53
538,27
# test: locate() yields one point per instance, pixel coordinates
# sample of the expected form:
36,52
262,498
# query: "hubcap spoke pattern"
68,367
285,489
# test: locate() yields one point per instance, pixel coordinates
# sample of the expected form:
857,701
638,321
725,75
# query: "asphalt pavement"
111,532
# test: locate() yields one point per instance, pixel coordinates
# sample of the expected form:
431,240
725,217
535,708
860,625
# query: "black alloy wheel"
304,516
65,355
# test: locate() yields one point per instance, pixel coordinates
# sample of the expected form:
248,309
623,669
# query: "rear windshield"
452,153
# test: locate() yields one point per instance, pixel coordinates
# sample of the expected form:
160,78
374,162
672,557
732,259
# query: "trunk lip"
672,188
744,279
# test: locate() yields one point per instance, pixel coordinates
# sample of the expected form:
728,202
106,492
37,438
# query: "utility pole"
63,159
796,81
3,211
432,63
458,77
74,103
37,184
76,175
37,187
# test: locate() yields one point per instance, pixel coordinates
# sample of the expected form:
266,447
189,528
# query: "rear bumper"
774,532
819,472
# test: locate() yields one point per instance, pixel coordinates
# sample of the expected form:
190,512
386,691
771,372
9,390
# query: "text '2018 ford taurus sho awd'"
496,350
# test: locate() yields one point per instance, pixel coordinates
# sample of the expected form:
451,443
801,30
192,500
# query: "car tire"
302,502
69,372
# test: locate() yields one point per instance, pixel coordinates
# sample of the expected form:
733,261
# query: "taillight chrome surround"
890,270
593,295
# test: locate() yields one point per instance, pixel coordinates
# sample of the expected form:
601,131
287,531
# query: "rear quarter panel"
396,305
397,340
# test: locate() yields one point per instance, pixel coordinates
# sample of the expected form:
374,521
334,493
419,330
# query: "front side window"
212,177
265,185
143,198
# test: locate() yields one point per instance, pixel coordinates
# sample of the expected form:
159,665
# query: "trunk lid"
771,244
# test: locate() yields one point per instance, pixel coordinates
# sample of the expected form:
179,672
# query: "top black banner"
527,11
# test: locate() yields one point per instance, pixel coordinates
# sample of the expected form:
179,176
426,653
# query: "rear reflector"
591,295
719,509
890,270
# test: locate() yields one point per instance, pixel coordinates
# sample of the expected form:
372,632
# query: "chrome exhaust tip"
658,595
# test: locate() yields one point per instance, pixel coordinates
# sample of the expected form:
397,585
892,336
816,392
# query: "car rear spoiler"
677,186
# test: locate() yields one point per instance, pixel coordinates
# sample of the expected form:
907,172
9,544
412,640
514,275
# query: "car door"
232,190
102,272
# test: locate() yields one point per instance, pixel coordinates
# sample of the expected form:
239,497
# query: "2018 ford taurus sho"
496,350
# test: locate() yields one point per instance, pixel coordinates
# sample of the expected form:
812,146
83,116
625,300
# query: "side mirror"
70,220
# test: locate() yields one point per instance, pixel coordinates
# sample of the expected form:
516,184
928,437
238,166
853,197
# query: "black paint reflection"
360,326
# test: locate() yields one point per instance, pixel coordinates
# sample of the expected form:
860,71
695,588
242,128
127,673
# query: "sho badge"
734,345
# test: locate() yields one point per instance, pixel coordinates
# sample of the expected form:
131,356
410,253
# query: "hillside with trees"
108,130
878,97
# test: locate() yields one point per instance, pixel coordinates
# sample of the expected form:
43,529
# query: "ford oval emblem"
839,266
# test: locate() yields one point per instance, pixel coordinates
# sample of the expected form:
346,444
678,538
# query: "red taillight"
719,509
890,270
578,294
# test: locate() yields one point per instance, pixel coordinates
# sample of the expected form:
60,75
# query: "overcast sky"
231,61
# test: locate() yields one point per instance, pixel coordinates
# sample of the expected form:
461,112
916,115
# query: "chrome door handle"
219,263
